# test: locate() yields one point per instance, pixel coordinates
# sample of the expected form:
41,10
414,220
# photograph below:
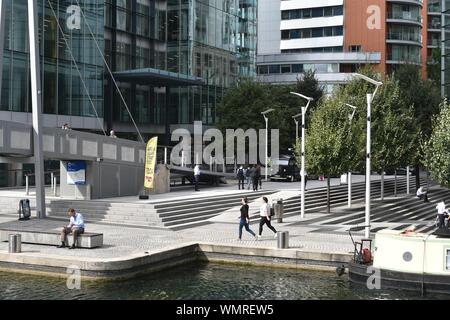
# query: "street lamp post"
349,174
296,125
267,135
302,171
370,97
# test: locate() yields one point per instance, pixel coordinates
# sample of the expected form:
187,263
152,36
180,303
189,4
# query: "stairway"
182,214
315,199
121,213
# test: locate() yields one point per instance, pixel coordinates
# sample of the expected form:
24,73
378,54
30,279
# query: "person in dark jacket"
240,174
245,219
255,178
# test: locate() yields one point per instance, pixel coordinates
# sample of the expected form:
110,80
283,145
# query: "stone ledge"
151,261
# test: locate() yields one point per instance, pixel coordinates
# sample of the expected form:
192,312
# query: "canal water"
203,281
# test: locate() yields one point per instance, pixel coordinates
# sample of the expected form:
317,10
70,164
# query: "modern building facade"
171,59
335,37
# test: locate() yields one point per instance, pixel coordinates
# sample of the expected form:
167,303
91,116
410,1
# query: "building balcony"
413,2
434,9
433,43
404,18
405,38
403,59
434,27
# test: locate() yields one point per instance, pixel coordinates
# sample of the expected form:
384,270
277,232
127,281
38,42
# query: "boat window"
447,259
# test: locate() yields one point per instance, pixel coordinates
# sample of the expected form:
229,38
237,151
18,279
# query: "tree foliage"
437,148
242,105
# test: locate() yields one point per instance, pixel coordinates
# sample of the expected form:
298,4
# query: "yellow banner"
150,160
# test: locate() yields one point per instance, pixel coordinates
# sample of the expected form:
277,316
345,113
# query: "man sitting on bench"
76,227
422,195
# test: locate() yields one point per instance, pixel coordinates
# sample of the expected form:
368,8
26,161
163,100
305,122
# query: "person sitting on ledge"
422,194
75,227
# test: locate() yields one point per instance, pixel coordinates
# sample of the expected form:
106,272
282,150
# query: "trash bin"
15,243
278,208
283,239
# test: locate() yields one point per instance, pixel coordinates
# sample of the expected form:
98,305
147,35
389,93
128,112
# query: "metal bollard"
15,243
283,239
55,186
27,185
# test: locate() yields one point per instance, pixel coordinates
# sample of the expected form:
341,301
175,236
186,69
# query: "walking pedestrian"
306,178
258,168
197,176
264,213
255,178
248,175
442,212
241,177
245,219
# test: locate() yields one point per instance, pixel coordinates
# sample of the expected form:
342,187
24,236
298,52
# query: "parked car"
287,169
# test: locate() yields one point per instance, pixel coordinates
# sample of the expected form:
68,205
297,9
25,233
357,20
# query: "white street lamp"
349,174
267,134
302,172
296,125
370,97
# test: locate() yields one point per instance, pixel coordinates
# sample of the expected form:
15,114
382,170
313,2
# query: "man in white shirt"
264,214
422,194
75,227
442,212
197,176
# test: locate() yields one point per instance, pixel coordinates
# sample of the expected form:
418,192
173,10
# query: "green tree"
327,145
309,86
437,148
393,129
424,96
242,105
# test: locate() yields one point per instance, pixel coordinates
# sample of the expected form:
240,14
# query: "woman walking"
245,219
264,213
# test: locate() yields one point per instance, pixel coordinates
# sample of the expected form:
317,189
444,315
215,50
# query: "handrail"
47,172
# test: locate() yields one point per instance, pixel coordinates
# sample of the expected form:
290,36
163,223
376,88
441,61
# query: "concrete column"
36,99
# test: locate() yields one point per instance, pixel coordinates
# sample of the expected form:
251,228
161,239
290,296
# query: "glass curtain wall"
63,92
214,40
136,39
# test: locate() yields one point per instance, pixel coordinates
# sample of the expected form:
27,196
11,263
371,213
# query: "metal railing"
53,181
405,36
405,16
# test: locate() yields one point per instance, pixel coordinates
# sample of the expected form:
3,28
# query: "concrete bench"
52,237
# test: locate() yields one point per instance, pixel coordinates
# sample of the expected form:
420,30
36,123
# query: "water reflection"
203,281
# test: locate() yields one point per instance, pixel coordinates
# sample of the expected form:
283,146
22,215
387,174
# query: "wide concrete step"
183,226
187,220
53,211
183,216
183,202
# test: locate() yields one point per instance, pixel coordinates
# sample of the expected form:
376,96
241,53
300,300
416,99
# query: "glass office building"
211,40
63,90
214,40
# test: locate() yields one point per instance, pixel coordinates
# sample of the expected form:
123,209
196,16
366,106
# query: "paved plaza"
311,234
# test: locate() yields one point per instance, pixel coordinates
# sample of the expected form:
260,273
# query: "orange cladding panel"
365,25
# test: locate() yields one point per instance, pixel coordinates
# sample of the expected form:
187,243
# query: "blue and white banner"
76,172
